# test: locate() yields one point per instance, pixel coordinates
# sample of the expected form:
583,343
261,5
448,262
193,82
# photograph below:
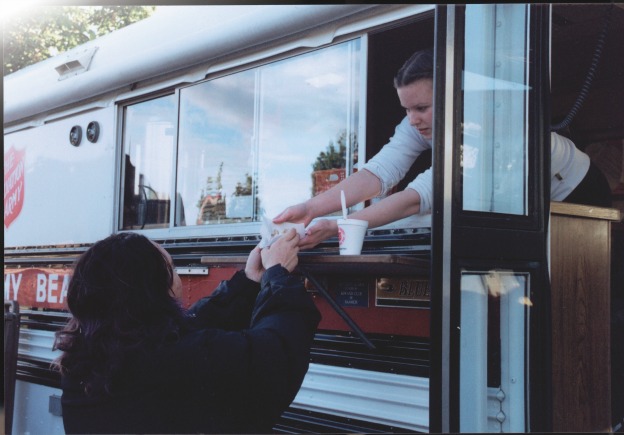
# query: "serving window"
254,142
217,156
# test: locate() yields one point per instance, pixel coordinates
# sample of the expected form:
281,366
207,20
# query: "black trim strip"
392,354
38,372
436,396
297,421
403,303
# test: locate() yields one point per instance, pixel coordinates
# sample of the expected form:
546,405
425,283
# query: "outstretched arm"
389,209
358,187
392,208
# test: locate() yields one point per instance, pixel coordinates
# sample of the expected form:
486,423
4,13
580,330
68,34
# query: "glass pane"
258,141
148,143
495,87
494,324
308,122
215,160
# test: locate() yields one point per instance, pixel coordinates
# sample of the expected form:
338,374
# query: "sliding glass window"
238,147
257,141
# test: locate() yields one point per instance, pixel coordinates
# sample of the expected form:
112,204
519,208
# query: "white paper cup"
351,234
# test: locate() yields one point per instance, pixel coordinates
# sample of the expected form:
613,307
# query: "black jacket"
236,373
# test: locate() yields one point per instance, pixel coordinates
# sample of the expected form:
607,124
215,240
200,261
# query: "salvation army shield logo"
13,184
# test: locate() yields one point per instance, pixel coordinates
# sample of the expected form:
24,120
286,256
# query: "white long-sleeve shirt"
393,161
568,165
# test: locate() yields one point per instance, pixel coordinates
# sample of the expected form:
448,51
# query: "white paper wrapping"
270,232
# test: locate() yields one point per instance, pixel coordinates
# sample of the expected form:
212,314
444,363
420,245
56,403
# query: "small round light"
75,135
93,131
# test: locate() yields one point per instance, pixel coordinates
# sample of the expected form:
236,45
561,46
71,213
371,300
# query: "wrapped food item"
270,232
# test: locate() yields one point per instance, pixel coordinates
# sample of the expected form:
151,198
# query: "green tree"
241,190
49,30
332,157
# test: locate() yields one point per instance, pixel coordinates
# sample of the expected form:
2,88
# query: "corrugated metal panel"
37,344
383,398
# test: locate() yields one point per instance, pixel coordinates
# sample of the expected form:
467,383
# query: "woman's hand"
358,187
254,269
283,251
296,213
320,231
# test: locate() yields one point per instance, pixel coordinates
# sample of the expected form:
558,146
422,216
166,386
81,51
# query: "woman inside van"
134,361
574,178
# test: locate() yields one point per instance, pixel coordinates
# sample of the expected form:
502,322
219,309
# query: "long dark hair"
120,297
419,66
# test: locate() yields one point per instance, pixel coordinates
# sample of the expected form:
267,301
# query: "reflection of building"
217,208
325,179
212,208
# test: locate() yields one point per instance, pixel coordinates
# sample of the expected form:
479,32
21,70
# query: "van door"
490,294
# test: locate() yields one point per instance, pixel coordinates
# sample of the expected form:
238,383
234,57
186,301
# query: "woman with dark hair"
572,178
134,361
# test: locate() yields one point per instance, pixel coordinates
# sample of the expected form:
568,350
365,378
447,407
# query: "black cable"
589,78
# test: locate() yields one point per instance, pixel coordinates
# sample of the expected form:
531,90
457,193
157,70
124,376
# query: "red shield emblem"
13,184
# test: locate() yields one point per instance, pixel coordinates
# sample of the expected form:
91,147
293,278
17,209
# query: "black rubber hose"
588,79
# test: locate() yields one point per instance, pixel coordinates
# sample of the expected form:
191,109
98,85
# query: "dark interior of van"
587,47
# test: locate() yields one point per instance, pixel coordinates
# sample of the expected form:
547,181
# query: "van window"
148,143
495,85
254,142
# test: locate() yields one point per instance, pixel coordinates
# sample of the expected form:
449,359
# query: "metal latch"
192,270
